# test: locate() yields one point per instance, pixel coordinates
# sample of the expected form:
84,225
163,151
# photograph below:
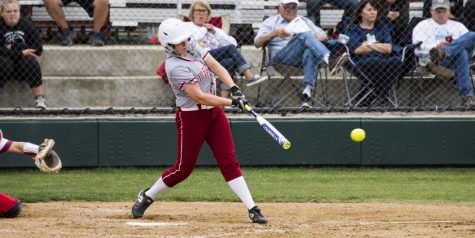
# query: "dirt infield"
204,219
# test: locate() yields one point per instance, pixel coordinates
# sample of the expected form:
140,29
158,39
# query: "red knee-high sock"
6,202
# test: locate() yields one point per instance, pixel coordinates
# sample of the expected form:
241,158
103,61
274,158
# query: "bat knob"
286,145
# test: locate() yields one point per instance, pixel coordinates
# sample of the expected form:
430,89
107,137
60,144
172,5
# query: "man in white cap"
450,46
294,41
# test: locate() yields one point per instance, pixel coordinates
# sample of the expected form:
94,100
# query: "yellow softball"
358,135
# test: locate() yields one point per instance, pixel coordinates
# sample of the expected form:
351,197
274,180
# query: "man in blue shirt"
294,40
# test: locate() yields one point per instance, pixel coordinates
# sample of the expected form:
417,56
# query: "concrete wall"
82,76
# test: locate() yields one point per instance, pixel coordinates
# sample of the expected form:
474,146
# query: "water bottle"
423,55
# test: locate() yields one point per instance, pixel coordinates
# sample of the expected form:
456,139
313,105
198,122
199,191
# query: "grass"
294,184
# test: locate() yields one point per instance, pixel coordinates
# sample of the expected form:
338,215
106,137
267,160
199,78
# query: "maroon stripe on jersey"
7,146
185,59
193,80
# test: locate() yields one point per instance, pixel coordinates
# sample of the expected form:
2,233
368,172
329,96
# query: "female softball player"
11,207
199,117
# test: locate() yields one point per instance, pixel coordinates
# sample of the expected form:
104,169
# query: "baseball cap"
440,4
289,1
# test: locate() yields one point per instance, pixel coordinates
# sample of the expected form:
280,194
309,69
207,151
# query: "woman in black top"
20,44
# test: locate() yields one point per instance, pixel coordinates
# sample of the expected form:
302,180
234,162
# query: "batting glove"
236,93
240,103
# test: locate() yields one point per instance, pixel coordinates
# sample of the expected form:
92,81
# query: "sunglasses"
290,7
200,11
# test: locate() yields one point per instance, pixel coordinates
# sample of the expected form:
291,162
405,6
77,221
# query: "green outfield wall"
322,141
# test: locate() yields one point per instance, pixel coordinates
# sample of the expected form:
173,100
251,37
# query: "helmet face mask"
190,47
172,32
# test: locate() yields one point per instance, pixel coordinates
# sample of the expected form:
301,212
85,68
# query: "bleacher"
119,75
137,15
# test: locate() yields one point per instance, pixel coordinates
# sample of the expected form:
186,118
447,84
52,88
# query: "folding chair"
366,87
275,95
428,86
432,89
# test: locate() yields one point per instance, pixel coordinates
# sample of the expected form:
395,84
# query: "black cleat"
142,203
256,216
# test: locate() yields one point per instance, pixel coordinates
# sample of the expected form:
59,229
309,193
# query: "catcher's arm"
47,160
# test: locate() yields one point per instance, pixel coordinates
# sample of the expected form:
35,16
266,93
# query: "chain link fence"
121,77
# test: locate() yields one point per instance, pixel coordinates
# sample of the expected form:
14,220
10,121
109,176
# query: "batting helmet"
173,31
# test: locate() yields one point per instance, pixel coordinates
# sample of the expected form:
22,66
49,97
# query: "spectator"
397,11
469,15
370,45
450,46
220,45
199,117
456,9
11,207
294,40
314,6
97,9
464,13
21,44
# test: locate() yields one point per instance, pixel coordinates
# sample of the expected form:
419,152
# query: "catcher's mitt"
47,160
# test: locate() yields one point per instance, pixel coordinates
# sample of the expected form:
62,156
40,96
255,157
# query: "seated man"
448,58
97,9
294,41
456,9
314,6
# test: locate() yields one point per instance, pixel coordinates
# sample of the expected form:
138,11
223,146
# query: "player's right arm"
219,71
194,91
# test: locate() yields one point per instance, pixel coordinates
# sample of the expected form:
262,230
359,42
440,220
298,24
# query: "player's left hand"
236,93
240,103
47,160
51,163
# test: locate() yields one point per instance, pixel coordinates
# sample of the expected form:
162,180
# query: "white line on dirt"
386,222
152,224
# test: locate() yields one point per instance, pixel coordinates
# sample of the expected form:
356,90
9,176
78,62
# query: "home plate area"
229,219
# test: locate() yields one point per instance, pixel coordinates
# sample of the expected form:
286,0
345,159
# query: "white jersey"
182,71
208,40
432,33
4,143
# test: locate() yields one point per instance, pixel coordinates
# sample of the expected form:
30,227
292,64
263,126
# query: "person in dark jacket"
469,15
20,44
371,45
397,12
